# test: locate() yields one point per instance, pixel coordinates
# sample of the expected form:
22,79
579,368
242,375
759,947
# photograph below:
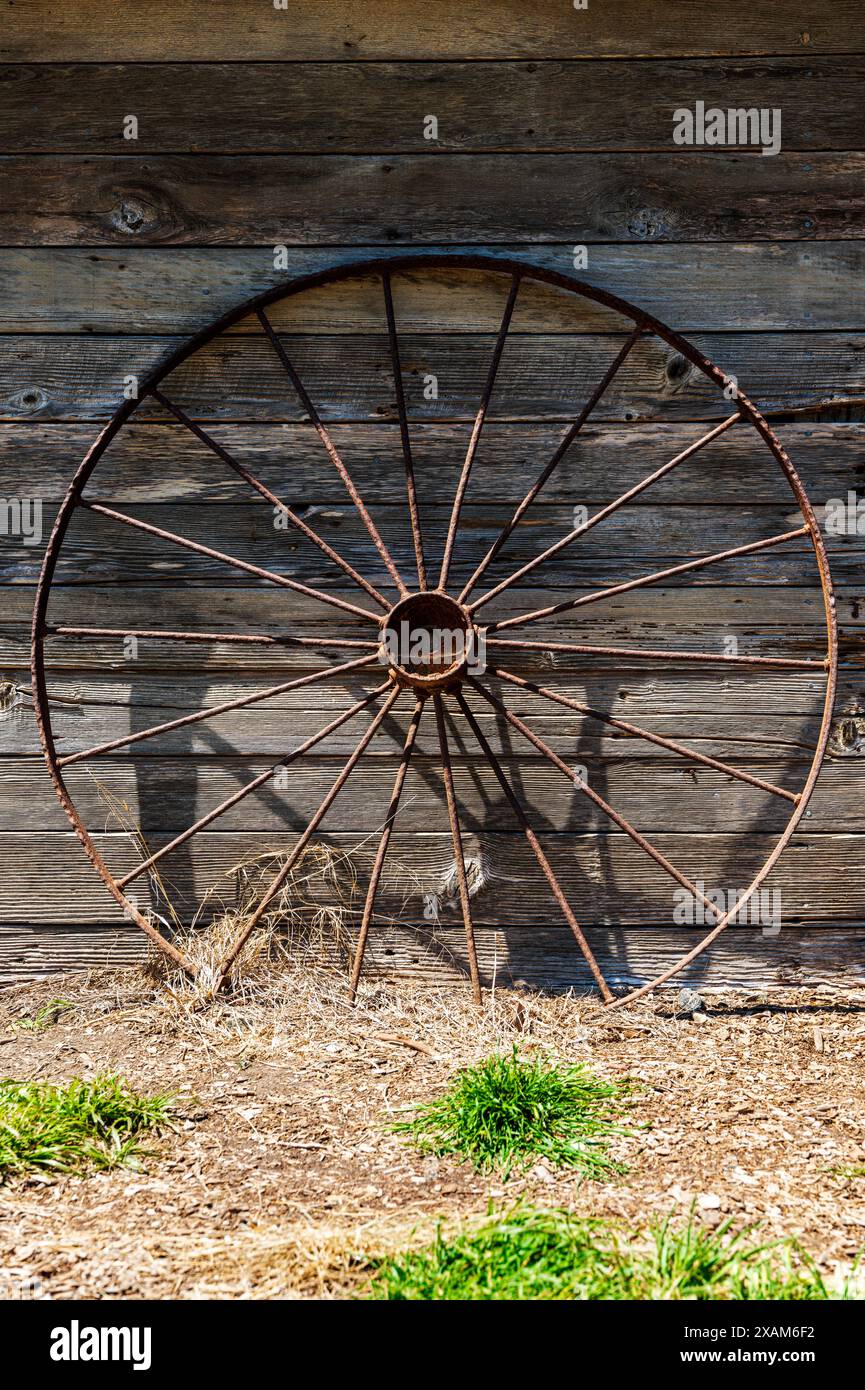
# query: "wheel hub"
428,641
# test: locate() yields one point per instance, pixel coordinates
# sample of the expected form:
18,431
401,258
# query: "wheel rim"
425,587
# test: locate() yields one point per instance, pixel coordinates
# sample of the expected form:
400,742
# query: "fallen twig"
403,1042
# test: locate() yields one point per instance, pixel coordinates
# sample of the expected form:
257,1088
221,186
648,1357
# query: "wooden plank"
68,655
763,619
632,541
752,285
28,952
762,614
96,31
302,108
742,958
81,659
157,462
628,689
268,200
542,376
732,717
114,559
272,728
169,794
608,880
695,619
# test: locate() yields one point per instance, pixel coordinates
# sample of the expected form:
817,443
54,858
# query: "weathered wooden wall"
305,127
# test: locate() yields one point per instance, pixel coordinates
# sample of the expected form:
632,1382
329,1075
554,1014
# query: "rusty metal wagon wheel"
426,601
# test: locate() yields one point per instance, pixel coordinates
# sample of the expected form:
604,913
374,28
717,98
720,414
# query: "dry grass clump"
308,918
294,1003
300,950
305,1258
290,979
305,921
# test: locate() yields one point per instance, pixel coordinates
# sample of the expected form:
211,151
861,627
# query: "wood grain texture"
96,30
541,376
766,620
268,108
100,200
742,959
272,729
157,462
673,690
631,543
608,880
659,794
752,286
762,614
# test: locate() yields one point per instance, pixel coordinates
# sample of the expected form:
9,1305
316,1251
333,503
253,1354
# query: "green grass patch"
529,1254
44,1016
510,1111
77,1127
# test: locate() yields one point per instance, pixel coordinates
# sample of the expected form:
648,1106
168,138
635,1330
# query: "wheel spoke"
611,507
637,732
252,786
459,858
297,522
599,801
559,454
546,867
381,852
217,709
253,639
654,578
332,451
411,491
659,654
477,428
231,560
305,838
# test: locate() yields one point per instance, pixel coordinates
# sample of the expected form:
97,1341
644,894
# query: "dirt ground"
282,1177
